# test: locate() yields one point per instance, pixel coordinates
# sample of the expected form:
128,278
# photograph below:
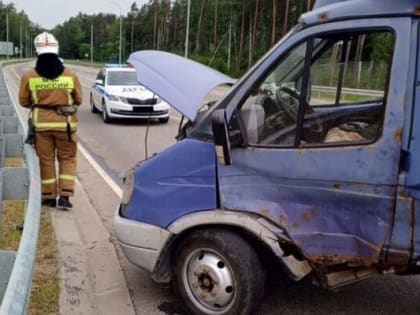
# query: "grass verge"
45,282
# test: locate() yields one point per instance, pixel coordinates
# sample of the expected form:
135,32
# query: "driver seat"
253,115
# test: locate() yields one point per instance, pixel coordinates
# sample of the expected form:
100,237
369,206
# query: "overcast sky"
49,13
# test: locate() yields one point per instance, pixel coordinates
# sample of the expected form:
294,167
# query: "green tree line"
229,35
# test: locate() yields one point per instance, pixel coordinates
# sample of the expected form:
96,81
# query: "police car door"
99,88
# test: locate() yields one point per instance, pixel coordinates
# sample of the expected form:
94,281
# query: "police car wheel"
105,116
217,272
93,109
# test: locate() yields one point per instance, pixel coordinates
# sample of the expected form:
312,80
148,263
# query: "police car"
116,93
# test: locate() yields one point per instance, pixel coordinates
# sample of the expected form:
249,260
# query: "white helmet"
46,43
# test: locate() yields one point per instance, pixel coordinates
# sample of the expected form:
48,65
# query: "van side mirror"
221,137
99,82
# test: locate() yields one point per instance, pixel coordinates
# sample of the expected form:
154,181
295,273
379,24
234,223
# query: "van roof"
332,10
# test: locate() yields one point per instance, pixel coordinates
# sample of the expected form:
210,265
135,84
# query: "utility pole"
26,43
119,56
20,41
7,33
91,42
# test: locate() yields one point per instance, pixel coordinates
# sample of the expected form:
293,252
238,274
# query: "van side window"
270,109
344,100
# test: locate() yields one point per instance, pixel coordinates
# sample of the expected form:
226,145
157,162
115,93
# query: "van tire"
217,272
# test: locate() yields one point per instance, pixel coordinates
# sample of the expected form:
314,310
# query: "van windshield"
201,128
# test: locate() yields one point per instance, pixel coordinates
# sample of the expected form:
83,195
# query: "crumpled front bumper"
142,243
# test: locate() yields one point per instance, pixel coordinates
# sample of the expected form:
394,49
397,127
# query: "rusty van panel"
331,223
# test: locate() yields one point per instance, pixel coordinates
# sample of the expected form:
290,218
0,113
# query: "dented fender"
269,234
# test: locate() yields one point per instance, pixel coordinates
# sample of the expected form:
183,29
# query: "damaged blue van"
308,162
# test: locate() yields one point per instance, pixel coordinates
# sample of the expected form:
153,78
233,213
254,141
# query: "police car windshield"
122,78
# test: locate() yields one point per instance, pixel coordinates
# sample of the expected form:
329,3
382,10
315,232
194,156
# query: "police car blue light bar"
115,65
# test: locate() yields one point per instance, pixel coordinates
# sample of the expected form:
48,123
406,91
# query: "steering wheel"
291,106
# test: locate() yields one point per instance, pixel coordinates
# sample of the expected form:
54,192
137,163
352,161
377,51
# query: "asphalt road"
114,148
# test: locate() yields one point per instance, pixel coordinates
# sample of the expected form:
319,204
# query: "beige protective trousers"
50,145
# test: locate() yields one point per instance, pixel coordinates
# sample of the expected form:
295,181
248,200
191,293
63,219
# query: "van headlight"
128,187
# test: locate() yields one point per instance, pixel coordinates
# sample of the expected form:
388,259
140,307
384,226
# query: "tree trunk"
155,21
286,16
250,41
273,23
358,60
215,24
164,23
241,37
230,41
218,48
333,64
254,29
132,34
200,18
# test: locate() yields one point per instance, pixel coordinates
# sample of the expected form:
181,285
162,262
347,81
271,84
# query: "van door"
412,149
321,120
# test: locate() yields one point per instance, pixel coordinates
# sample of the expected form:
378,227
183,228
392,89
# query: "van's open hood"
181,82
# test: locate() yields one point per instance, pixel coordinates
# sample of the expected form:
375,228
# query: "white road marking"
111,183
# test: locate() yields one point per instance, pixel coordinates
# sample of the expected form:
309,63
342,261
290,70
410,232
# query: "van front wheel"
217,272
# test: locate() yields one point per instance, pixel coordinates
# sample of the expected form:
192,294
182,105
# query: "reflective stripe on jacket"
42,84
62,91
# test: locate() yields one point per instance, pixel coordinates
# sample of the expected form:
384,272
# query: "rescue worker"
51,91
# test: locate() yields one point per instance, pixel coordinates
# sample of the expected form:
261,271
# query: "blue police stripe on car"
101,91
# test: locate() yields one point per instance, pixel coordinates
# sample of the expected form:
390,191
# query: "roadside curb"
91,278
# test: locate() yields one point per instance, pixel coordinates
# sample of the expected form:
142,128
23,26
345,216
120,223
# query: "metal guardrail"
349,91
23,183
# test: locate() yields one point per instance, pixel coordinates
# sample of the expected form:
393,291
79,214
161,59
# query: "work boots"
64,203
49,202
